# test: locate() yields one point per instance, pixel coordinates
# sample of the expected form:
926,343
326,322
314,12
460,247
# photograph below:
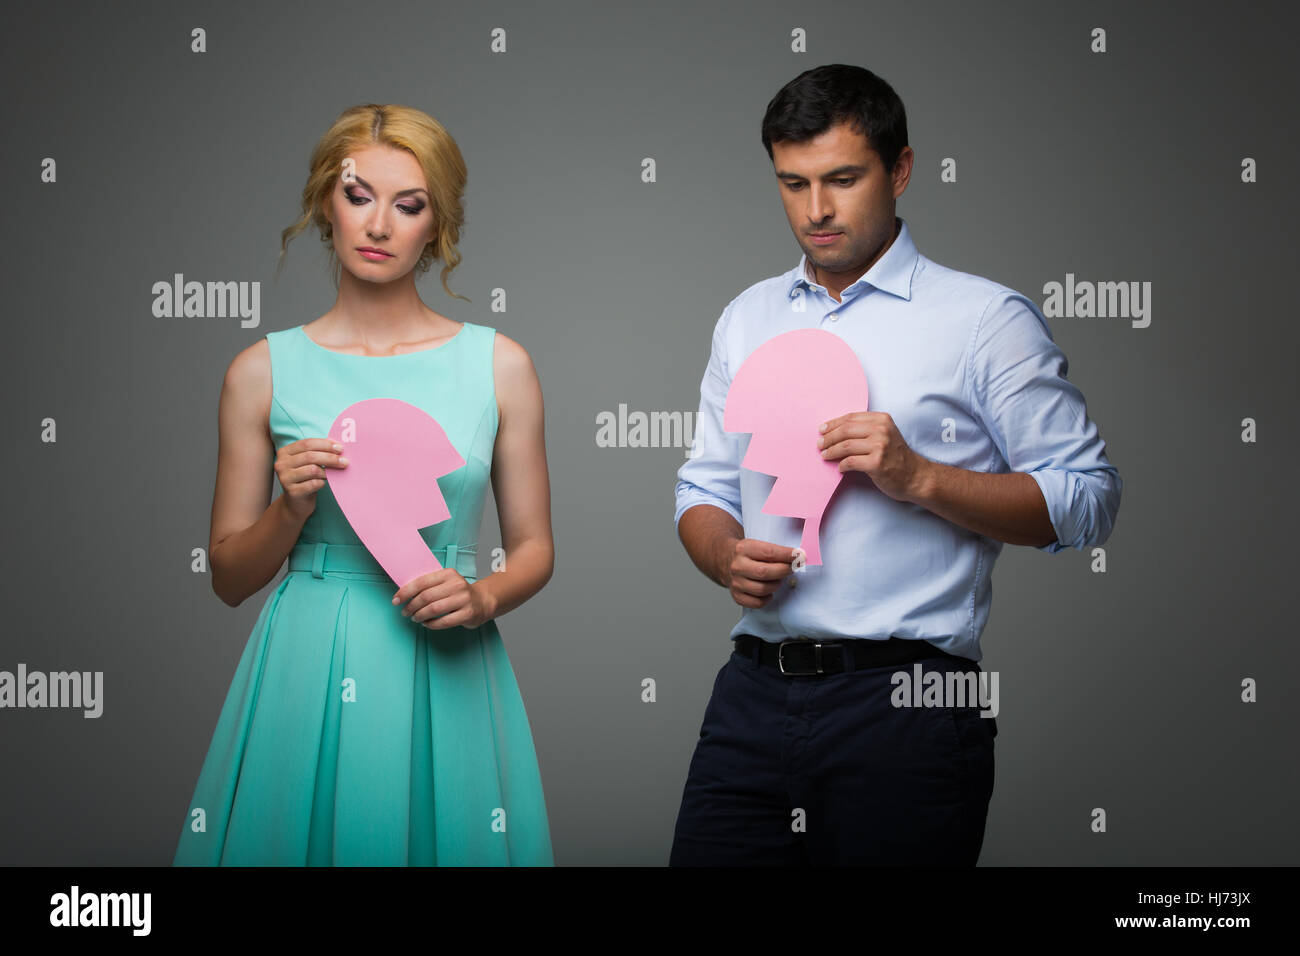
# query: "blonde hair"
401,127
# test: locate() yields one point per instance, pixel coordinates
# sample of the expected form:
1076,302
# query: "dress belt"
321,556
805,657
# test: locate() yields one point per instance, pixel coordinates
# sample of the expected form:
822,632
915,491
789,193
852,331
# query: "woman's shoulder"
247,385
507,354
500,346
252,361
278,334
278,343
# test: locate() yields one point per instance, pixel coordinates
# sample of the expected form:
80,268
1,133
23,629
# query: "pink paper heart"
782,393
389,489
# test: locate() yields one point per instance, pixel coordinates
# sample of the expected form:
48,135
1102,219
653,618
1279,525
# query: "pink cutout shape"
782,393
389,489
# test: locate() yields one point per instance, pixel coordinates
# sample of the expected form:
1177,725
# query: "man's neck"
834,290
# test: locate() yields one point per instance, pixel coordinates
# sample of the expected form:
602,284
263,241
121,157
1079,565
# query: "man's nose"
819,204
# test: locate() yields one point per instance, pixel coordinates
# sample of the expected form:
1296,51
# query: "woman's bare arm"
249,541
520,482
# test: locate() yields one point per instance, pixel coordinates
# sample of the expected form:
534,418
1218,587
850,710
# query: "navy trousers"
824,771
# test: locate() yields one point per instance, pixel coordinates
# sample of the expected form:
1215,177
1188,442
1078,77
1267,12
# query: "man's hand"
869,442
755,570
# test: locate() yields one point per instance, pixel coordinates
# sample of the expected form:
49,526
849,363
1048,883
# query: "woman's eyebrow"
400,192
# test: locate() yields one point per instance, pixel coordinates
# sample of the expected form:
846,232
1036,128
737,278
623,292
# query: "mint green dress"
350,734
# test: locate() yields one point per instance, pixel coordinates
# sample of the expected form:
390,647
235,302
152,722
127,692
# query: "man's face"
835,184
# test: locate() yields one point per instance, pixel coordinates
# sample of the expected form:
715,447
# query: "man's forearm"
1007,506
707,533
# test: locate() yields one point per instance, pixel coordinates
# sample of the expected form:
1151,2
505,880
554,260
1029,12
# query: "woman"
368,725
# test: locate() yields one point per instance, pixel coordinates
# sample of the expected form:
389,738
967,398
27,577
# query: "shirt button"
833,317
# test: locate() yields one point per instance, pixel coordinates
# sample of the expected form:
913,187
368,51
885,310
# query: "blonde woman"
369,724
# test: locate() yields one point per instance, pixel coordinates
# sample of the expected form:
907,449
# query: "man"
974,438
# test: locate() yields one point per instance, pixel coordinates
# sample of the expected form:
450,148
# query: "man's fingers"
744,599
760,570
756,587
765,551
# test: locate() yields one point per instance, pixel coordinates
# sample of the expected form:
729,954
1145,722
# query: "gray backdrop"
1118,690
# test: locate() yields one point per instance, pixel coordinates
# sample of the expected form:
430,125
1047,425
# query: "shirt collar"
891,273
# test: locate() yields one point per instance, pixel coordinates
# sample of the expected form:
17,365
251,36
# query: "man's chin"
827,265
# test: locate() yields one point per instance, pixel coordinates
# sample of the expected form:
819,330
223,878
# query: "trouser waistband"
805,657
319,557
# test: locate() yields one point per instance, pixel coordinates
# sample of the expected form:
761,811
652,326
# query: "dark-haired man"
808,753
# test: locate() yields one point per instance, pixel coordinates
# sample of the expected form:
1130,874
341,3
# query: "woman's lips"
374,256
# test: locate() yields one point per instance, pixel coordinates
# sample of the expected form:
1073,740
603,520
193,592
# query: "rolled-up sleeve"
1016,384
711,476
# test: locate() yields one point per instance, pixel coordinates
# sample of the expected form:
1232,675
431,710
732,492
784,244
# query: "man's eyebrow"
837,171
403,192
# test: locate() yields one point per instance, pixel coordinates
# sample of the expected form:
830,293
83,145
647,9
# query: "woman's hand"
300,466
443,599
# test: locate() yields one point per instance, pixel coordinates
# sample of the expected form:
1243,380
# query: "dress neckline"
302,330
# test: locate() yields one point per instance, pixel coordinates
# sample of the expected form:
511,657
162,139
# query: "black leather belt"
805,657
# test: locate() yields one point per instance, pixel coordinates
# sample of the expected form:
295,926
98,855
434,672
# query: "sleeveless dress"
352,735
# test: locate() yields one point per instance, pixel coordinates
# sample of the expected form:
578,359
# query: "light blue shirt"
971,376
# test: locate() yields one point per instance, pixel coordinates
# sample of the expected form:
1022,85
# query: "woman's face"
380,203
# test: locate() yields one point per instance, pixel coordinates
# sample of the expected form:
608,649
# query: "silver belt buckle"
817,656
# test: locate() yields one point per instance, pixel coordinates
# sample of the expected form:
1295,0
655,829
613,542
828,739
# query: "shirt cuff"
690,499
1080,505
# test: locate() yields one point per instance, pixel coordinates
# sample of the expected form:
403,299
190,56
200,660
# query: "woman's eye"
358,200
